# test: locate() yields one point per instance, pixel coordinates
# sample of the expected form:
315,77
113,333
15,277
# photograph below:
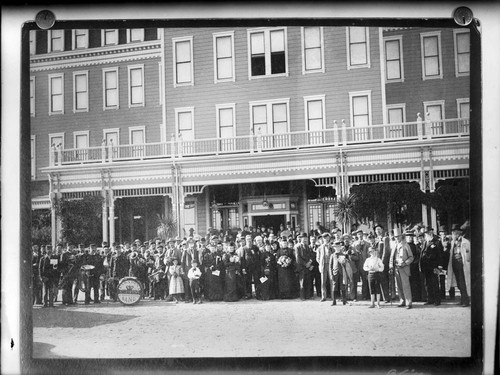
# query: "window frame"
224,34
355,94
269,108
267,51
86,74
50,37
191,61
314,98
456,32
32,96
74,39
129,85
80,133
50,77
107,131
56,135
104,71
401,106
435,103
103,37
440,54
367,49
132,129
398,38
218,107
462,101
183,110
303,48
129,35
33,156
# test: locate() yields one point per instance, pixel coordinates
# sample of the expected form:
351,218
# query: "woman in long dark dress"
268,264
233,268
286,272
215,275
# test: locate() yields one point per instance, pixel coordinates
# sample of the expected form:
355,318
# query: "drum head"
129,290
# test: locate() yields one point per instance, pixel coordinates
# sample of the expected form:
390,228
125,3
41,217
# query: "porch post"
111,217
104,216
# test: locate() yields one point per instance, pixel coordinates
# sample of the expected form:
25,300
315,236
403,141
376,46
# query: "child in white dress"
176,283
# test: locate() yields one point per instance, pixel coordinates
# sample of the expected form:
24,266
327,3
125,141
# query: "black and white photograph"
261,192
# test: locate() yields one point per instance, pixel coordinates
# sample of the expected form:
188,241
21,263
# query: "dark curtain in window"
258,65
277,62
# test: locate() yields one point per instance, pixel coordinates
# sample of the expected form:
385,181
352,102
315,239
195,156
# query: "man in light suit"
401,258
459,265
323,258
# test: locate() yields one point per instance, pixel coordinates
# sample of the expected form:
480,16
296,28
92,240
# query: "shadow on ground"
43,350
70,318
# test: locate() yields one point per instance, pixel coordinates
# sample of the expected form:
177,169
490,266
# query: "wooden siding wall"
96,119
335,83
414,91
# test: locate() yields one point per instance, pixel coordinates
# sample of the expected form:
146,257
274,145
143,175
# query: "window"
463,108
312,46
111,136
394,71
431,55
137,136
56,94
184,123
270,118
360,103
32,42
56,40
81,144
183,61
135,35
315,118
80,38
56,143
267,50
81,92
109,37
33,157
32,96
434,114
226,125
224,57
462,52
110,87
358,47
396,116
136,85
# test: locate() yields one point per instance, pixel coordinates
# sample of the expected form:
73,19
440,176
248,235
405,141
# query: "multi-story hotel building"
230,126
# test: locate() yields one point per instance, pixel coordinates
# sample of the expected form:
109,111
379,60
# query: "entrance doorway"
269,221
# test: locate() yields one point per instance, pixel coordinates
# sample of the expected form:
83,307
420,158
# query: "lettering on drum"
129,291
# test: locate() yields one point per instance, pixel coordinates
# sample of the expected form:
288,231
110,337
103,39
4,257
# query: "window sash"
81,141
110,37
463,52
224,58
137,137
183,62
136,86
393,59
267,52
81,92
56,94
395,115
464,110
431,56
185,121
57,40
136,35
358,51
81,38
111,89
32,96
360,111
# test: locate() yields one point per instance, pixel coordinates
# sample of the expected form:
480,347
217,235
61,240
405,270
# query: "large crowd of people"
374,265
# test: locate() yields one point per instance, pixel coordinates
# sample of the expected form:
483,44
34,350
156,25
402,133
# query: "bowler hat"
455,227
429,229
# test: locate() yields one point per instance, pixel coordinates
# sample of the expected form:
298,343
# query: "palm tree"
167,227
346,211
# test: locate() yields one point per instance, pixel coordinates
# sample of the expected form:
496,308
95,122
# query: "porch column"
305,224
424,214
240,207
53,221
111,218
104,217
208,215
434,219
165,206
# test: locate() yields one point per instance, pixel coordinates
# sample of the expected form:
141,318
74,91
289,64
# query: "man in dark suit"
49,274
119,269
303,256
383,246
430,259
250,265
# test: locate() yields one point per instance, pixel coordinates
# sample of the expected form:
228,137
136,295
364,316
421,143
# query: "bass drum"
129,290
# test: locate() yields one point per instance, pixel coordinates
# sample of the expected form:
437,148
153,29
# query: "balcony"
340,135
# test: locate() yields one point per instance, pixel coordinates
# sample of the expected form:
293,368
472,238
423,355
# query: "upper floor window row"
80,90
47,41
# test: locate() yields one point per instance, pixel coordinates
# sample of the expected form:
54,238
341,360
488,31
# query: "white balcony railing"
339,135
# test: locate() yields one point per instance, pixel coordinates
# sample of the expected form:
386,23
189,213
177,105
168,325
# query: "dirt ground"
250,328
